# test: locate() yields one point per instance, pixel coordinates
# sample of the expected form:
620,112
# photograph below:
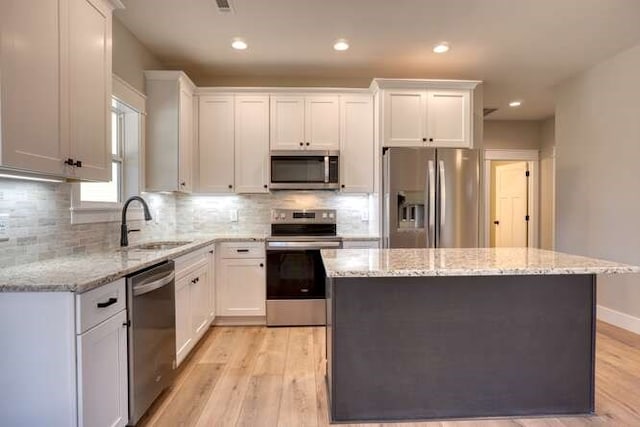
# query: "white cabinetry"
427,113
252,143
192,301
55,87
356,143
170,131
216,143
211,260
65,365
305,122
241,281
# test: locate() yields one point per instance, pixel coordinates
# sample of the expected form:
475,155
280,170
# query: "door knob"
496,222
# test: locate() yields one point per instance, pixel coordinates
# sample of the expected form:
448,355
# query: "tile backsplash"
39,219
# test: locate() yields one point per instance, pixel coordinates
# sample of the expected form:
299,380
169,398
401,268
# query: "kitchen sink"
157,246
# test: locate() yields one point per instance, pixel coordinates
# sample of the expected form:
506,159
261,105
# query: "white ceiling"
519,48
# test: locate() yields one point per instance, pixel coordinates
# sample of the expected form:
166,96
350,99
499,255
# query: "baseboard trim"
619,319
239,321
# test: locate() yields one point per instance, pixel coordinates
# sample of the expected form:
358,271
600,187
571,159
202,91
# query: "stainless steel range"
295,274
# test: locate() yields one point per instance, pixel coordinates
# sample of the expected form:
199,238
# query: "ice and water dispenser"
410,210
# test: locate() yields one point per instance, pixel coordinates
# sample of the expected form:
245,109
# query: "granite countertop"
81,273
462,262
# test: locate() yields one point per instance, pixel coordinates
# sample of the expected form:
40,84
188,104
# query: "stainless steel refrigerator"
430,198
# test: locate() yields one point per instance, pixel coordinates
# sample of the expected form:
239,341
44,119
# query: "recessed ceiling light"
239,44
341,44
515,103
441,47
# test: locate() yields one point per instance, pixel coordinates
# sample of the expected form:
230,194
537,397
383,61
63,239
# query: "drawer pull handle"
242,250
109,302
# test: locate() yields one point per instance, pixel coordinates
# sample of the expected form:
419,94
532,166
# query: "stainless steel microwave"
305,170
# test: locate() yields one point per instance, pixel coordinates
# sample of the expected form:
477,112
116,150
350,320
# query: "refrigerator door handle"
443,195
431,205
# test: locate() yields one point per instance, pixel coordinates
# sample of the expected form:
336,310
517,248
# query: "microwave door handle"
326,169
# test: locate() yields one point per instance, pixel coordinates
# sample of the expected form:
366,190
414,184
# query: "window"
102,201
110,192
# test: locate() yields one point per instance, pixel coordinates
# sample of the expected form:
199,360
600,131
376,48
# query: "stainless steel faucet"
124,232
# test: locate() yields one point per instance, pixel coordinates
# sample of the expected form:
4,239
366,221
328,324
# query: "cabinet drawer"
242,250
187,263
99,304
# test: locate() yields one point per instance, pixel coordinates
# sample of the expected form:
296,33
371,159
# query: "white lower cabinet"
241,281
193,300
102,374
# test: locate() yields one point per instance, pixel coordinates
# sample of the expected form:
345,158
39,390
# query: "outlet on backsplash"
4,227
364,216
233,215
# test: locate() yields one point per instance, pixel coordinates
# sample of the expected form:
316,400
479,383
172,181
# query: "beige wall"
130,57
511,134
597,179
547,183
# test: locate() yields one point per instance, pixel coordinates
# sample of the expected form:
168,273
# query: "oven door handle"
283,246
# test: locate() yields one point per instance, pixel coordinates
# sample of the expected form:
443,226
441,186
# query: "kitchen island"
451,333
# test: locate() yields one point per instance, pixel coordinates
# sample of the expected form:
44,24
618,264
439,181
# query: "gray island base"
438,343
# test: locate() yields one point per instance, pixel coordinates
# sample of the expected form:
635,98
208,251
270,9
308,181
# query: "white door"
185,141
30,86
215,144
287,123
242,288
199,284
356,144
89,89
404,118
448,118
102,374
511,205
252,143
184,335
322,123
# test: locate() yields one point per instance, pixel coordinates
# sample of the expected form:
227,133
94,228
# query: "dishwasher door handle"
152,286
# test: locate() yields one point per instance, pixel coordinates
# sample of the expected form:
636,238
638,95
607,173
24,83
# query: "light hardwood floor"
258,376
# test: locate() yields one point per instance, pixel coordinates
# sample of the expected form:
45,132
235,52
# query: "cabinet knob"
230,186
78,163
265,186
183,183
301,144
424,139
342,186
308,144
211,252
69,162
430,139
261,264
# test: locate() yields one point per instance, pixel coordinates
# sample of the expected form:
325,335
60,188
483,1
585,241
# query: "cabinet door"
30,86
89,89
184,335
404,118
356,144
102,374
185,141
448,118
322,123
287,123
211,257
216,144
252,144
242,288
199,295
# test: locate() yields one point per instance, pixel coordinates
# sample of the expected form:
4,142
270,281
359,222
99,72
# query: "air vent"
224,6
487,111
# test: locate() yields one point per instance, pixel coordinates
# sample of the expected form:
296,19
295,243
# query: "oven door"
295,274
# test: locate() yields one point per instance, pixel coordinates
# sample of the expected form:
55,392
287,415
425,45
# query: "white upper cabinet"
170,133
215,143
252,143
449,118
427,113
55,86
305,122
356,143
404,119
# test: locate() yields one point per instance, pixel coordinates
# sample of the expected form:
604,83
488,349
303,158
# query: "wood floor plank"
261,405
189,402
225,402
298,404
275,377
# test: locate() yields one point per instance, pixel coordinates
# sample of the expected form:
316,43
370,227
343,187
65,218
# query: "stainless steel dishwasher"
152,336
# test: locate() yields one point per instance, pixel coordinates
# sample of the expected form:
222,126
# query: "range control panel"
303,216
